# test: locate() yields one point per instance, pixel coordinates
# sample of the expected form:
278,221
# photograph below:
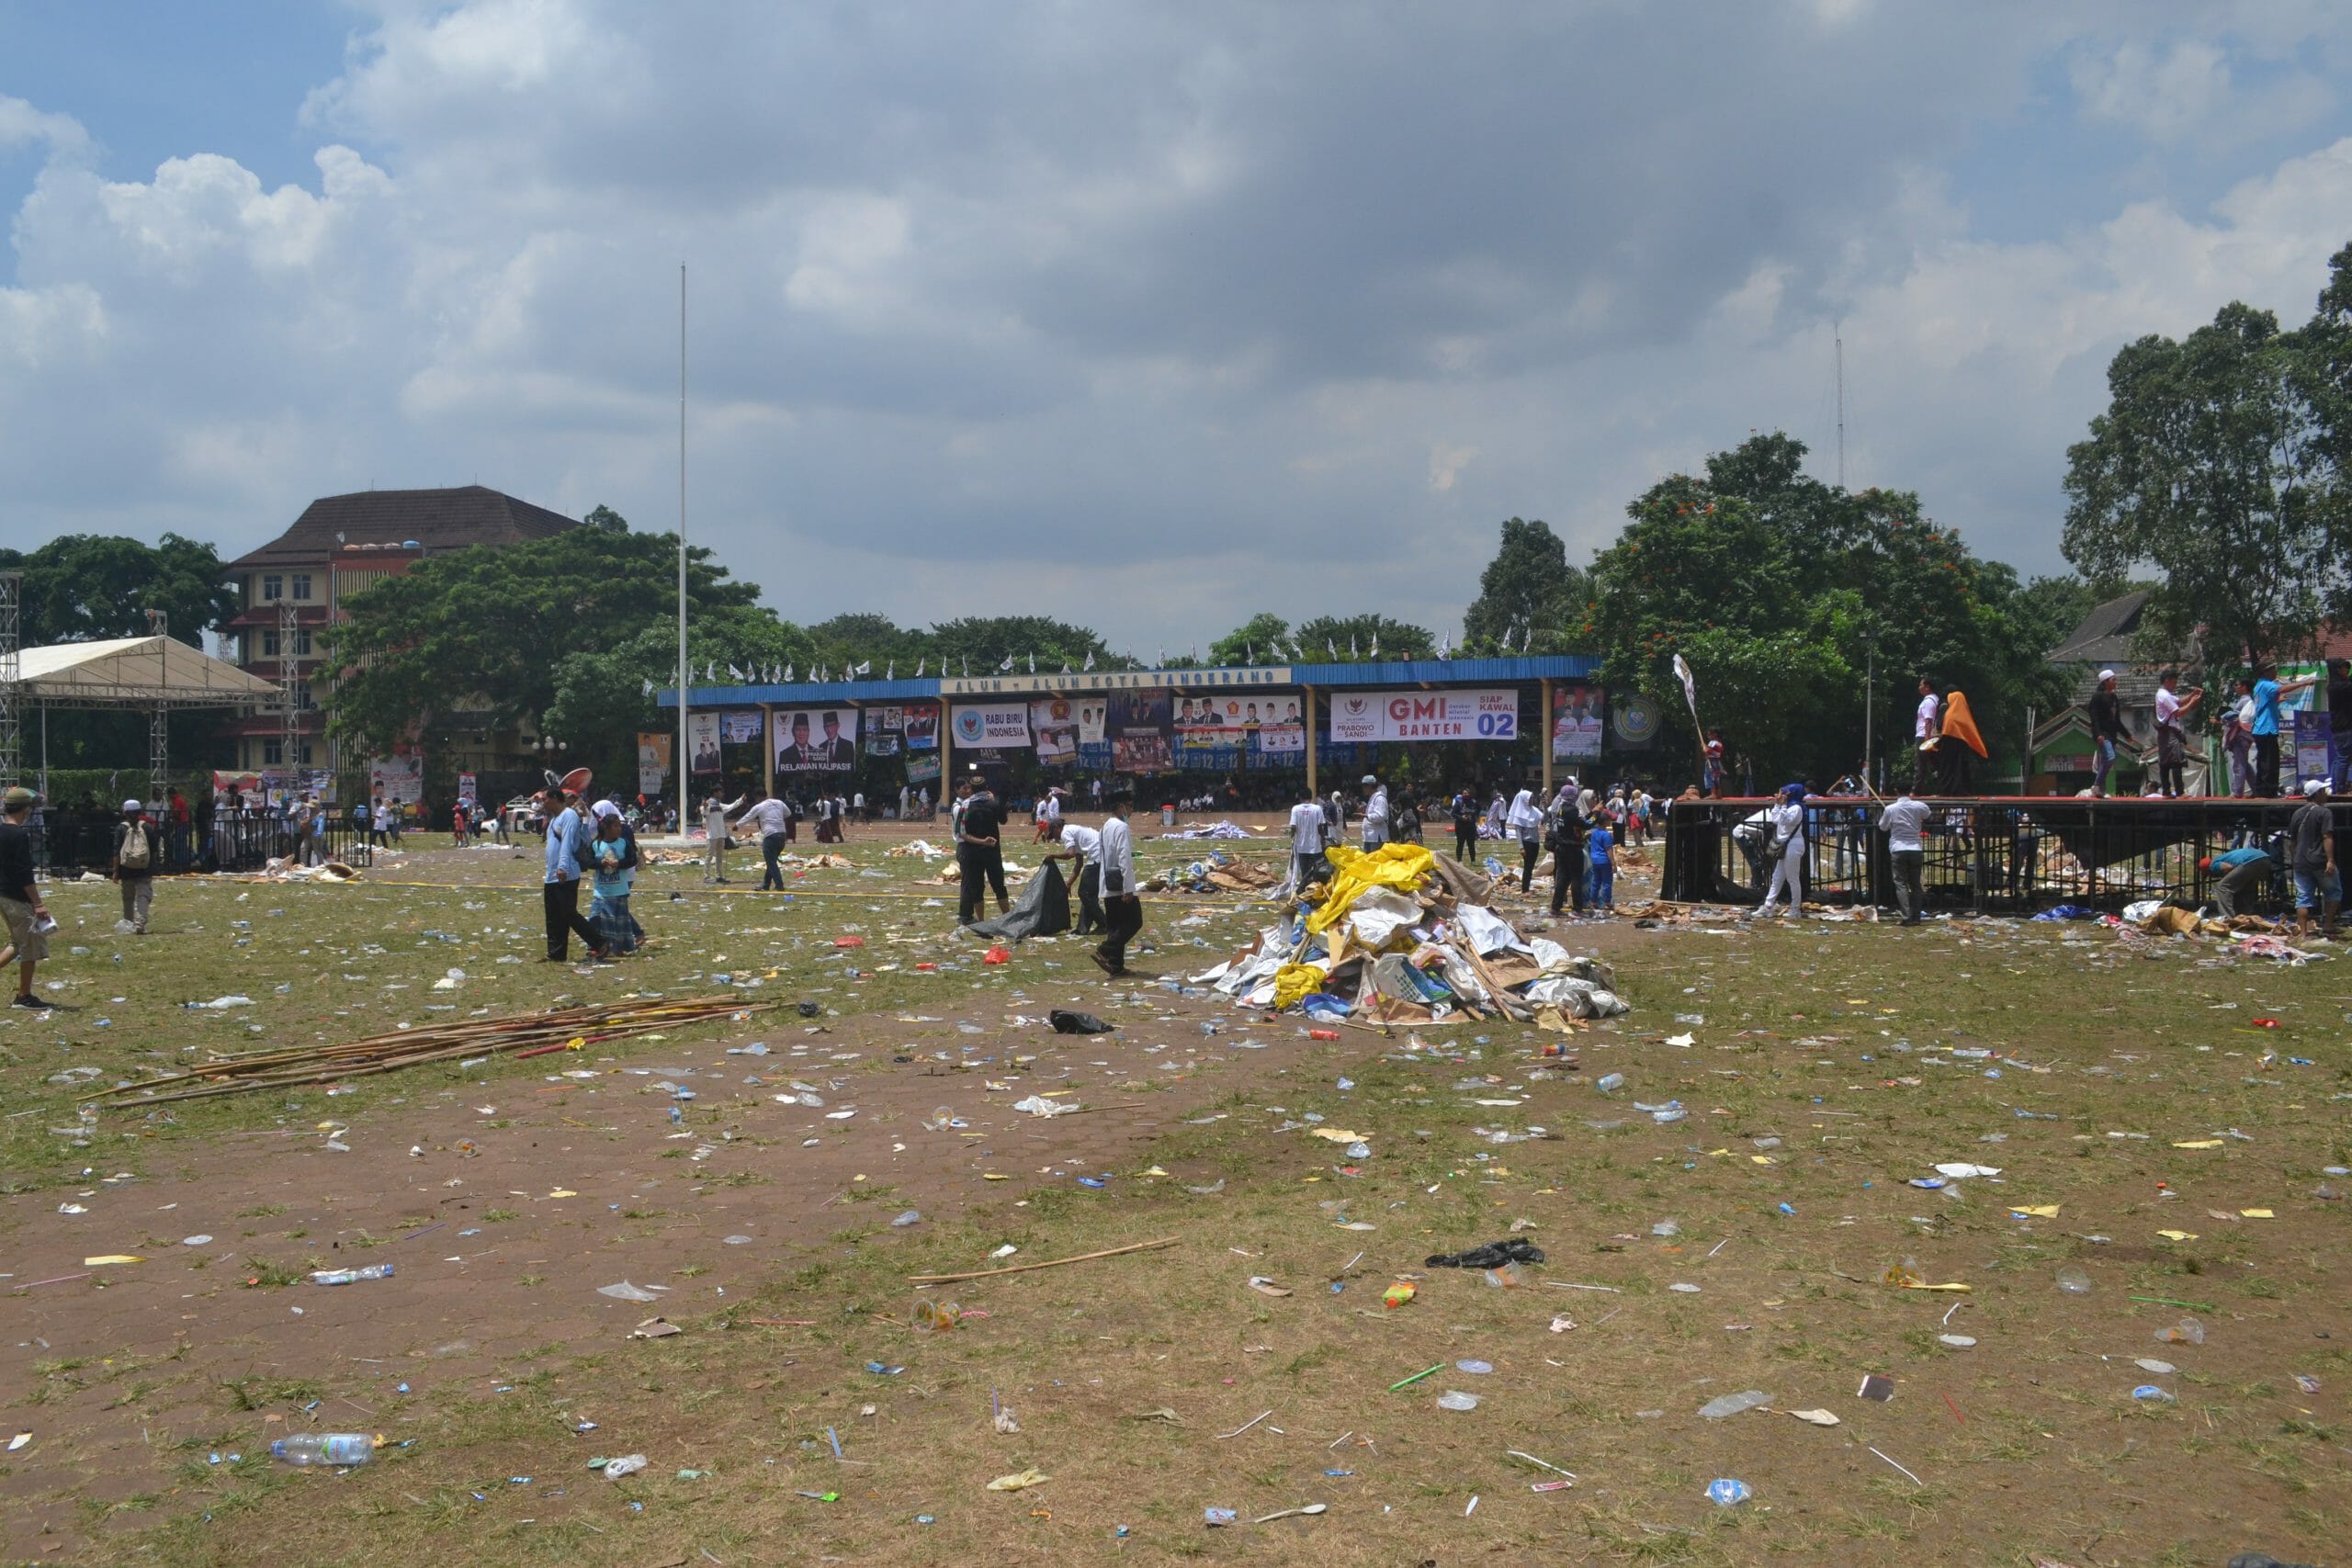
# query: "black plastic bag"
1068,1022
1043,910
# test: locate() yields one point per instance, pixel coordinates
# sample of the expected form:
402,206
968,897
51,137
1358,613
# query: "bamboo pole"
1033,1267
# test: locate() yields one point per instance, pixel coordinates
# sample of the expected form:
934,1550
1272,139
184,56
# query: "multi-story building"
343,544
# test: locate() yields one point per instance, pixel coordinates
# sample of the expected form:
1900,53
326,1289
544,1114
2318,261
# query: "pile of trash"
1218,830
1220,873
287,870
1397,935
919,849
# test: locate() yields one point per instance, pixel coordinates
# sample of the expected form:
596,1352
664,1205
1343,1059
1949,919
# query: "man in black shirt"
979,854
1464,807
2106,731
21,909
2310,855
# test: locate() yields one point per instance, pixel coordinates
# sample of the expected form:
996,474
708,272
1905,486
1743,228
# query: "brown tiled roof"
437,519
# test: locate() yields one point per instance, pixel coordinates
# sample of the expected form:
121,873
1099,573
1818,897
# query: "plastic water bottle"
325,1448
350,1277
1610,1083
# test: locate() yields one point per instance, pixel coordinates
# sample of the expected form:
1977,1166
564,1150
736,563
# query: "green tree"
602,697
2211,466
1260,639
498,623
1528,595
985,641
605,520
87,587
1332,635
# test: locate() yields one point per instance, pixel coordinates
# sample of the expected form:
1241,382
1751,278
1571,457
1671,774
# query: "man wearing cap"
132,865
1375,812
2310,855
21,910
1122,902
559,895
2106,731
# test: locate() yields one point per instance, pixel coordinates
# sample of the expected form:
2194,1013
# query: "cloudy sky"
1144,315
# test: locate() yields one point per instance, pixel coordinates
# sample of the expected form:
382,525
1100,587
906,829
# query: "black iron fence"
2001,855
73,842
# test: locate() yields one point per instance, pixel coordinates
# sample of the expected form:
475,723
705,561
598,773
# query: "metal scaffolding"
12,707
289,688
159,724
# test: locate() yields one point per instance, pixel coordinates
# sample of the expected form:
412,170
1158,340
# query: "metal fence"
2001,855
74,841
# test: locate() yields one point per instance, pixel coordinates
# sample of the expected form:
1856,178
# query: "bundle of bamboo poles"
525,1034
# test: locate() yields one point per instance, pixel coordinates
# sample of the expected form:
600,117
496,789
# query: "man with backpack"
132,865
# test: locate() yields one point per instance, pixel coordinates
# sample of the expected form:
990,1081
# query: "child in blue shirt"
1601,847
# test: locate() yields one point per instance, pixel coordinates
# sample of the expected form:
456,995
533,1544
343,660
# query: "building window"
301,585
269,645
273,753
306,753
303,700
273,588
302,639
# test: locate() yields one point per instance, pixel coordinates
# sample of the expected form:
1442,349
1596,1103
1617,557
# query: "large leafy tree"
1328,635
1263,639
1528,596
86,587
494,627
2212,466
984,642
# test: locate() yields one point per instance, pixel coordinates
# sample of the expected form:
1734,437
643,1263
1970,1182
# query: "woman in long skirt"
615,877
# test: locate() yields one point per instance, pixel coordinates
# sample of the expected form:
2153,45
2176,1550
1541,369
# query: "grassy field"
1746,1245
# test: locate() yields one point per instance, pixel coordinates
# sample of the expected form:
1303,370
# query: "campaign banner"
890,719
1138,723
990,724
398,778
816,741
701,741
466,788
1280,740
1479,713
1576,722
919,723
739,727
881,745
2314,746
1054,721
1092,723
652,762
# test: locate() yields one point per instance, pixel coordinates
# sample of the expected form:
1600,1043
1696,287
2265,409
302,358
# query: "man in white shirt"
2172,744
1123,903
766,819
715,813
1049,811
1375,812
1924,728
1308,842
1526,822
1905,821
1083,847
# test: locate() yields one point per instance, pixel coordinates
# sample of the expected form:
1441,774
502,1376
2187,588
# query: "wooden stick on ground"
1031,1268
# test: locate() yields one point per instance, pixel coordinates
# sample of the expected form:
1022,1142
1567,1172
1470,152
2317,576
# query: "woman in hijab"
614,848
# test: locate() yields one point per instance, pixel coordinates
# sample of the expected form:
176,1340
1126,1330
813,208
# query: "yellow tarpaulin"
1357,871
1294,981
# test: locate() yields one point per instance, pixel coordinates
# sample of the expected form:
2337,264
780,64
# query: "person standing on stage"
1122,902
2172,743
2267,690
1924,727
2106,731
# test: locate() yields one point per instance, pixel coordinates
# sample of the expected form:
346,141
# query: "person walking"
979,855
1785,849
2267,690
1926,724
1569,864
559,888
1083,847
132,865
2310,837
2108,734
2172,742
1307,844
1465,807
26,918
1905,823
715,813
1375,812
614,848
1526,824
1122,903
766,819
2239,873
1600,853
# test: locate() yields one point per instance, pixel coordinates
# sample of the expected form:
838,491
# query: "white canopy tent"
156,674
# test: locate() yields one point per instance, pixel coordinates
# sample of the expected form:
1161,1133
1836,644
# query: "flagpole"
685,675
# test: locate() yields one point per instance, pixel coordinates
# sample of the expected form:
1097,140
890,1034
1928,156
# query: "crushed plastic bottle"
1610,1083
351,1276
1726,1492
325,1448
911,1217
2074,1281
1732,1403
